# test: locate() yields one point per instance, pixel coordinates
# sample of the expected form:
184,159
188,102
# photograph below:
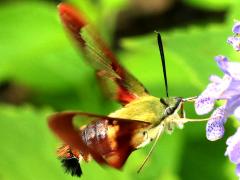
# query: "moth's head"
172,104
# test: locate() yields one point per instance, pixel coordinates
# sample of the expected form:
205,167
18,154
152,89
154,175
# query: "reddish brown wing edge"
128,87
62,125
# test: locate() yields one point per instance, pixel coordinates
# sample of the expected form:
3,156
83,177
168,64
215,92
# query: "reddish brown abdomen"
110,141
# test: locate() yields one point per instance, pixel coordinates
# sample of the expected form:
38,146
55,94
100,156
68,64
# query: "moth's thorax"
146,108
149,109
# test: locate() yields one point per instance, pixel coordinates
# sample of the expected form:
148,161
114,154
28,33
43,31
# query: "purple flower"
226,88
235,40
215,126
236,27
233,150
230,68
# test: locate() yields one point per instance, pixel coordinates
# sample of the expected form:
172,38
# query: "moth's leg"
158,130
182,112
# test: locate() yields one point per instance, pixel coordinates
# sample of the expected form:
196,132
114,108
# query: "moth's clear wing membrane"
95,54
99,56
108,140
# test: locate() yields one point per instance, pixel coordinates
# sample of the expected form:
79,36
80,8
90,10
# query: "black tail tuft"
72,166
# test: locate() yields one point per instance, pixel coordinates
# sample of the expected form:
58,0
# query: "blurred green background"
41,72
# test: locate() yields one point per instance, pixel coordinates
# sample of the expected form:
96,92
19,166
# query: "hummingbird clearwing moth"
110,140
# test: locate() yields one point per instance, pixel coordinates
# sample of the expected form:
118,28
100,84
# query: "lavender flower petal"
236,27
232,92
204,104
215,126
235,42
215,90
238,169
237,113
222,62
231,39
234,154
233,149
232,105
234,70
230,68
215,79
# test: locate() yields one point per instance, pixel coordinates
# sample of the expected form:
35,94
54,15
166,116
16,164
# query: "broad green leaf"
36,52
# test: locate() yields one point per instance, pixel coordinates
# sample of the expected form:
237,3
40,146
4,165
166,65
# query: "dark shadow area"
130,22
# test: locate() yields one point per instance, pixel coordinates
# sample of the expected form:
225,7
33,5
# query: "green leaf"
27,146
36,53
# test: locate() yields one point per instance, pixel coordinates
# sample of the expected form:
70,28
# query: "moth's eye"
145,134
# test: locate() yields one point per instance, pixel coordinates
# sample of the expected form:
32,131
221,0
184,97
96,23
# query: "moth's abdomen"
111,141
95,136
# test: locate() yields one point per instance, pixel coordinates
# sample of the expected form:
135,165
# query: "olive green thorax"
148,109
160,113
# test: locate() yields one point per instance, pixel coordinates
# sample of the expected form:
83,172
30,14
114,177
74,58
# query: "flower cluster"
228,90
235,40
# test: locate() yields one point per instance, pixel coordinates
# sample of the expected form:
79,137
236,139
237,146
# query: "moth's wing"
62,125
99,56
108,140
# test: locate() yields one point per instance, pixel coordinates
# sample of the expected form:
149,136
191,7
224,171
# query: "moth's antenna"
160,45
160,130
